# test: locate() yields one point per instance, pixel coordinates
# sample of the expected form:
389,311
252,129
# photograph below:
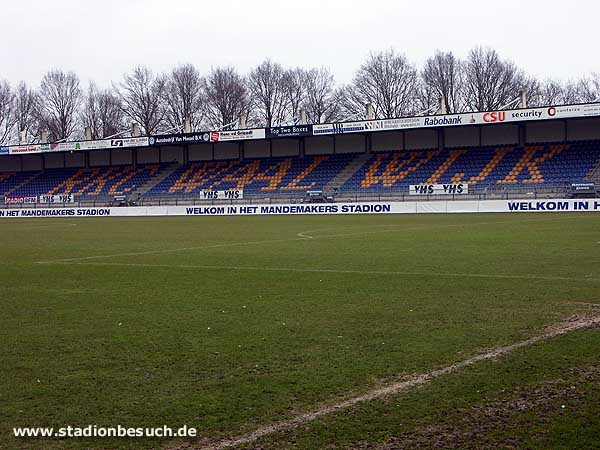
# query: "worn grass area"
543,397
249,323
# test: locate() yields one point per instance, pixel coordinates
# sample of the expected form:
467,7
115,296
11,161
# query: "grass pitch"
230,323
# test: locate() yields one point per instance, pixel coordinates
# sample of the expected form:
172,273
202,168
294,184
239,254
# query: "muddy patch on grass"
472,428
573,323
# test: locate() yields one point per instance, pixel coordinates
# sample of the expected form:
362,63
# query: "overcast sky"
100,40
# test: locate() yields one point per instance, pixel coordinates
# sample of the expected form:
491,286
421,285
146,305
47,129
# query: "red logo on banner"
214,136
499,116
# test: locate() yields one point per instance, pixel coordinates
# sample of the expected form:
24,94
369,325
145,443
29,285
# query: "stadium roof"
513,116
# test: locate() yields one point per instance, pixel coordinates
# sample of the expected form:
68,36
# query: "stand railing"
483,193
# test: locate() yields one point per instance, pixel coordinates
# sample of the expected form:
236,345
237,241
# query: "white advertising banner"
23,199
25,149
438,189
61,198
472,206
102,144
449,120
480,118
237,135
232,194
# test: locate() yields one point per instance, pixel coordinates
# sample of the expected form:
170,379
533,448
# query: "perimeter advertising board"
451,120
289,131
60,198
175,139
20,199
469,206
232,194
439,189
237,135
103,144
30,199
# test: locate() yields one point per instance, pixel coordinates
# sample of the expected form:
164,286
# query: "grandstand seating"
533,166
504,166
11,180
90,182
258,176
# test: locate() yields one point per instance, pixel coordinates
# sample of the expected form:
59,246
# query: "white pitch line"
334,271
169,250
299,238
395,388
305,234
45,225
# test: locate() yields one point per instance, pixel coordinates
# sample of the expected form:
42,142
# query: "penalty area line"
333,271
303,236
397,228
168,250
569,326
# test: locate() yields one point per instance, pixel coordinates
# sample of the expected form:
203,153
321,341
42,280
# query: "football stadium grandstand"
527,159
307,325
488,170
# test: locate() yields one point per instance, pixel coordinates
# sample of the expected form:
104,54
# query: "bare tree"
268,89
7,112
225,95
294,81
320,102
427,98
442,76
571,92
185,96
386,80
350,102
588,88
90,112
539,92
142,96
546,93
595,80
536,92
490,82
554,92
102,113
25,112
59,101
112,118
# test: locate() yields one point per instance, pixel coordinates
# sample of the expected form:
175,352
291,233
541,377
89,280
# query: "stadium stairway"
594,174
344,175
18,186
164,173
